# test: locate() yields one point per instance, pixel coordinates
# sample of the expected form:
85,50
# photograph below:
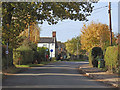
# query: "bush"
53,58
112,58
23,55
41,54
94,52
4,56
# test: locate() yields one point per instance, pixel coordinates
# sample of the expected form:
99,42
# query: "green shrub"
94,52
53,58
26,53
42,54
23,55
112,58
97,51
4,56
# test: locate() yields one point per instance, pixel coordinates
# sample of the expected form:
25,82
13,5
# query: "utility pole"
110,23
29,31
77,50
29,28
7,56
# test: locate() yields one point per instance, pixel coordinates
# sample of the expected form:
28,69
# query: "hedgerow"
112,59
23,55
94,52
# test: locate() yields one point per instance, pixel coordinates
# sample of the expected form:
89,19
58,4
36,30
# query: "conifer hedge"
112,58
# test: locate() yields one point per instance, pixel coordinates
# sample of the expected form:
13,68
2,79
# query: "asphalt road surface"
54,75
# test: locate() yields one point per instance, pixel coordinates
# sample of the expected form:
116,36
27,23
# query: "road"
54,75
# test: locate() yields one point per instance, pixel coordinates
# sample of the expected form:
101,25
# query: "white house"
50,43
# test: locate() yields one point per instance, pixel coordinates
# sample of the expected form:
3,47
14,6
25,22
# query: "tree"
15,20
73,46
18,15
34,33
95,35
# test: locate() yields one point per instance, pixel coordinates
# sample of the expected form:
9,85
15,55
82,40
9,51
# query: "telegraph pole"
29,27
110,23
77,51
29,31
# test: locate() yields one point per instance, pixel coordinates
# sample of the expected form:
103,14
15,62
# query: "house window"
52,44
44,45
59,48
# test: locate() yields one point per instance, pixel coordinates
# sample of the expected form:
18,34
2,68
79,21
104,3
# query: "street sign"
6,52
46,49
51,50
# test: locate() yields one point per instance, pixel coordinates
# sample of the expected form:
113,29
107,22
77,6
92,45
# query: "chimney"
54,34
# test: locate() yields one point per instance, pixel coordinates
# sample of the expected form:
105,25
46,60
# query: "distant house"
50,43
62,53
118,39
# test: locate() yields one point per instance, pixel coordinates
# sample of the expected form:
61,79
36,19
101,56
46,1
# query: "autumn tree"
73,46
33,33
95,34
15,20
18,15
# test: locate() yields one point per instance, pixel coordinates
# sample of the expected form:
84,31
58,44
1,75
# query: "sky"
67,29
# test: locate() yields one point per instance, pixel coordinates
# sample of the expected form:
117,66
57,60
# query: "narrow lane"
55,75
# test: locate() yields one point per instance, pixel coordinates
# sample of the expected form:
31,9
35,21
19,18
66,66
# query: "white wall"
49,46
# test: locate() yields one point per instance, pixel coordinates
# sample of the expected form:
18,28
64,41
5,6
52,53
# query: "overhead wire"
97,10
100,7
92,13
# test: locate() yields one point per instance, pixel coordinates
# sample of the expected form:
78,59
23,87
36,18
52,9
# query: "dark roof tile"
46,40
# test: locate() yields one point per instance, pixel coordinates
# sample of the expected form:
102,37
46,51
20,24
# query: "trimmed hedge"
4,56
112,59
94,52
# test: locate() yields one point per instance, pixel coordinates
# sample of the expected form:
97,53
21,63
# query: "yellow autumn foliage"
34,32
95,35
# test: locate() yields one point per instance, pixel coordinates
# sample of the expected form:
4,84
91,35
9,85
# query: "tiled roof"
46,40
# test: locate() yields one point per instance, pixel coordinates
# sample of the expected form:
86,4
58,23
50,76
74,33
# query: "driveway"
60,74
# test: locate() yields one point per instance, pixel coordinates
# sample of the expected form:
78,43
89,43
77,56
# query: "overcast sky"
68,29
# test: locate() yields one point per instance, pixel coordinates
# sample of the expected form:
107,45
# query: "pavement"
99,75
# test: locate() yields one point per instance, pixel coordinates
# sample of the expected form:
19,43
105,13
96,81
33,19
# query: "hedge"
112,59
42,54
23,55
94,52
6,61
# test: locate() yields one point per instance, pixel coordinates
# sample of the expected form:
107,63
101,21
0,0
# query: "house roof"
46,40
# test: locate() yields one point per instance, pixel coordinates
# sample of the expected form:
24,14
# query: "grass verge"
11,69
35,65
19,68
